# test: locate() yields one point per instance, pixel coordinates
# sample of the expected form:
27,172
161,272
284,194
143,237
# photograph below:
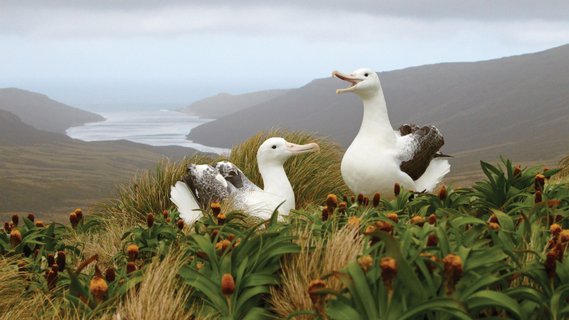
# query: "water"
152,127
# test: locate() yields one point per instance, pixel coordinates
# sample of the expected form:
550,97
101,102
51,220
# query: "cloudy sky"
170,53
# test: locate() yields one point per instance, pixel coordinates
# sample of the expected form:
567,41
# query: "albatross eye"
366,74
274,147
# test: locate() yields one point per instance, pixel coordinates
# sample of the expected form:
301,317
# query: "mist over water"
152,127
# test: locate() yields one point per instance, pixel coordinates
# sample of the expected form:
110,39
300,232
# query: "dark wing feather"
428,141
205,187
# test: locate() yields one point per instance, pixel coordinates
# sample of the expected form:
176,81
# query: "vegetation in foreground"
497,249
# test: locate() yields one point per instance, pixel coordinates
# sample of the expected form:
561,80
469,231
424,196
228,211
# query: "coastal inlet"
152,127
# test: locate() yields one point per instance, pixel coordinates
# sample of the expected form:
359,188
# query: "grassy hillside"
495,250
50,174
515,106
43,113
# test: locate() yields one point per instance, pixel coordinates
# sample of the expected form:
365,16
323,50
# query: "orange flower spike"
365,262
227,284
215,208
149,220
79,214
418,220
15,237
313,288
393,217
396,189
73,220
331,202
442,193
132,252
98,287
376,199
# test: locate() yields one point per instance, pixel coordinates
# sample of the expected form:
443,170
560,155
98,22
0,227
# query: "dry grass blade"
564,174
161,294
312,175
318,257
12,283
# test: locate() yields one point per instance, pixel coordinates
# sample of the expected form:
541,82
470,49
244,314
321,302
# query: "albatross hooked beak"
302,148
349,78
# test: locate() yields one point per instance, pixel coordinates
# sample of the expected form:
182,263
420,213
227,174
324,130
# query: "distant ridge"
224,104
43,113
515,106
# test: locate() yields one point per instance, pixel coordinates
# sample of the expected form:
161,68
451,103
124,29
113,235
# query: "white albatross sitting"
379,157
205,183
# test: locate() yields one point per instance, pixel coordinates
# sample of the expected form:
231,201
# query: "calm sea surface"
152,127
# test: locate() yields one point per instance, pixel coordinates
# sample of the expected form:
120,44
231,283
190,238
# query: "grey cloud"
419,9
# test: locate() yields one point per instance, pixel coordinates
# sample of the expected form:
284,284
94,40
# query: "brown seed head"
214,234
110,274
325,214
418,220
551,263
517,170
376,199
555,229
50,259
342,207
60,260
353,199
130,267
453,270
221,218
215,208
73,219
313,287
165,213
227,284
51,277
7,227
360,199
222,245
493,218
168,220
384,226
79,213
132,252
393,217
365,262
442,193
539,182
354,221
366,201
31,217
15,220
538,197
39,223
180,223
149,220
396,189
199,265
432,240
432,219
388,267
332,202
15,237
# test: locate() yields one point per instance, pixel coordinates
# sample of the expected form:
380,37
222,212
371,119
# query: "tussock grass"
12,283
149,191
312,175
319,256
161,295
563,175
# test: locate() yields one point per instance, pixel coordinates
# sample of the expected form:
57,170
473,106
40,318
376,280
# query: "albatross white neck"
375,122
276,181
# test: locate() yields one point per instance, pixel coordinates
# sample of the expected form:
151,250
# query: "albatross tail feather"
186,202
434,174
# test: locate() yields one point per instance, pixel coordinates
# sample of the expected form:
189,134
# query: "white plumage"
374,160
227,181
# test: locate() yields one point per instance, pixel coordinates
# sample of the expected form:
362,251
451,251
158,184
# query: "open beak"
349,78
302,148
